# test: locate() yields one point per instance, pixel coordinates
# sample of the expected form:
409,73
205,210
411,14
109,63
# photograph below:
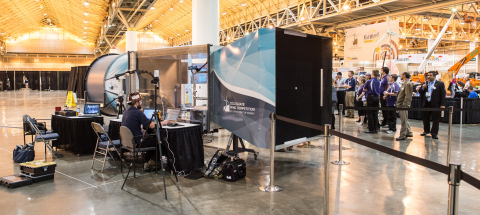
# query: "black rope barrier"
402,155
471,180
412,109
304,124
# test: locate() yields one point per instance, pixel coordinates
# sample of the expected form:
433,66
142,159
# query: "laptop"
172,114
91,110
149,113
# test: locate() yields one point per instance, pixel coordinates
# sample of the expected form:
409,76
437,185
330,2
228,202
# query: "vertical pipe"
340,130
272,151
321,87
454,188
326,169
449,147
271,186
461,112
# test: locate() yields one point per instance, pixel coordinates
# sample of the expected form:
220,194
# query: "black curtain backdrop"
64,77
49,80
11,77
80,86
72,80
3,79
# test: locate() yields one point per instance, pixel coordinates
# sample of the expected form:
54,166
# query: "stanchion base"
266,188
340,163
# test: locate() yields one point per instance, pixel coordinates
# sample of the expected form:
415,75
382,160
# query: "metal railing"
454,171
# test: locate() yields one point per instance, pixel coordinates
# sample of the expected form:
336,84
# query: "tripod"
120,106
158,126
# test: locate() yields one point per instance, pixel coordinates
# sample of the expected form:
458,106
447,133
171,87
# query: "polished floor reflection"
374,183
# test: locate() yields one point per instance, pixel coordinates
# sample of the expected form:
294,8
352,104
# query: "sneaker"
390,132
360,124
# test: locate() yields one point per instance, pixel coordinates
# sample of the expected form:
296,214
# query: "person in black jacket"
432,94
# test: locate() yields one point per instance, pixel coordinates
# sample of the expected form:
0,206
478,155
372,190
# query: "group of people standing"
382,89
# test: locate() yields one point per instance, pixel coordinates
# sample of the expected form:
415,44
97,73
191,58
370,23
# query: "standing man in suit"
373,92
404,100
383,101
350,94
432,94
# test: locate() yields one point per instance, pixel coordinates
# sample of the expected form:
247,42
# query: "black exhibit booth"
50,80
468,117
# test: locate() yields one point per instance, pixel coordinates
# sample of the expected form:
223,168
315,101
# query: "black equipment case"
234,170
14,181
38,168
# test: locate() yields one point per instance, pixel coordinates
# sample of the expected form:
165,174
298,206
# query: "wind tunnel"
101,85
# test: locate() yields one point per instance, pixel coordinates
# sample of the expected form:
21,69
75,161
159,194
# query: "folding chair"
128,143
107,146
43,137
28,131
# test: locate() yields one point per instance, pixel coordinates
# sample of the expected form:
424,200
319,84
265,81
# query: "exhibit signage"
418,58
360,43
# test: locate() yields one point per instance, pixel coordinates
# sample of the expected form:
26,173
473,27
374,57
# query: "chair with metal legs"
106,146
29,131
128,143
43,137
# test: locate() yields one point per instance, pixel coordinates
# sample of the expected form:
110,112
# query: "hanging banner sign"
360,43
70,100
418,58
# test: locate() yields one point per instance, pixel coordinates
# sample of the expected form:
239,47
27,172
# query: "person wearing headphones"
135,120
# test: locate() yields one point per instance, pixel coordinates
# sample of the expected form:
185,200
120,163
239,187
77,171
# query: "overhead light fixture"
156,20
170,9
335,50
334,43
406,49
84,32
244,4
431,35
86,14
44,14
454,10
425,18
171,37
178,34
450,47
453,38
414,36
224,13
247,33
186,30
85,21
303,18
271,26
228,38
181,1
9,36
363,24
403,34
400,46
346,7
418,29
462,23
152,8
162,14
84,27
2,33
86,3
476,39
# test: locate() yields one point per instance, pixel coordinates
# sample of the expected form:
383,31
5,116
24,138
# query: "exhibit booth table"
184,144
469,117
76,133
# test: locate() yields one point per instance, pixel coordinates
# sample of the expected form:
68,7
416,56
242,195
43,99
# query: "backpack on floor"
22,154
215,166
234,170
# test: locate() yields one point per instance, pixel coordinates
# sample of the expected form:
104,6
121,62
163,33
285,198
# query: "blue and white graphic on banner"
244,86
118,66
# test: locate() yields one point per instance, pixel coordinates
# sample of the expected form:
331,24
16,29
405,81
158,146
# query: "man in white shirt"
340,86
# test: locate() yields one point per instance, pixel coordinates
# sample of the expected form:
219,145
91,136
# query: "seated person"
472,94
134,119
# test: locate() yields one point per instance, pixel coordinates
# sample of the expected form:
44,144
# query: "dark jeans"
372,101
435,119
383,102
150,141
392,119
341,100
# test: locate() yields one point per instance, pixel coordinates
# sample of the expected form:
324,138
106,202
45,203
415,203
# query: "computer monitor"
148,112
172,114
91,109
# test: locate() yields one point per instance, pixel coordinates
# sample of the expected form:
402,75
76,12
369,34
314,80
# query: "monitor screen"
148,112
91,109
172,114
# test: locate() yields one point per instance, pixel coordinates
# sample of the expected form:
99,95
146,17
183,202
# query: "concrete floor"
374,183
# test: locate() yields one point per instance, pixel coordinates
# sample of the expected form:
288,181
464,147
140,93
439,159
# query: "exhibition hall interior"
239,107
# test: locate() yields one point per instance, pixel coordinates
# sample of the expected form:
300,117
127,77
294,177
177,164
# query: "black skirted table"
469,117
183,144
76,133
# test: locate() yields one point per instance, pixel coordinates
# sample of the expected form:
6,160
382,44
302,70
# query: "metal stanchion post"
461,112
326,169
271,187
449,147
454,189
340,161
